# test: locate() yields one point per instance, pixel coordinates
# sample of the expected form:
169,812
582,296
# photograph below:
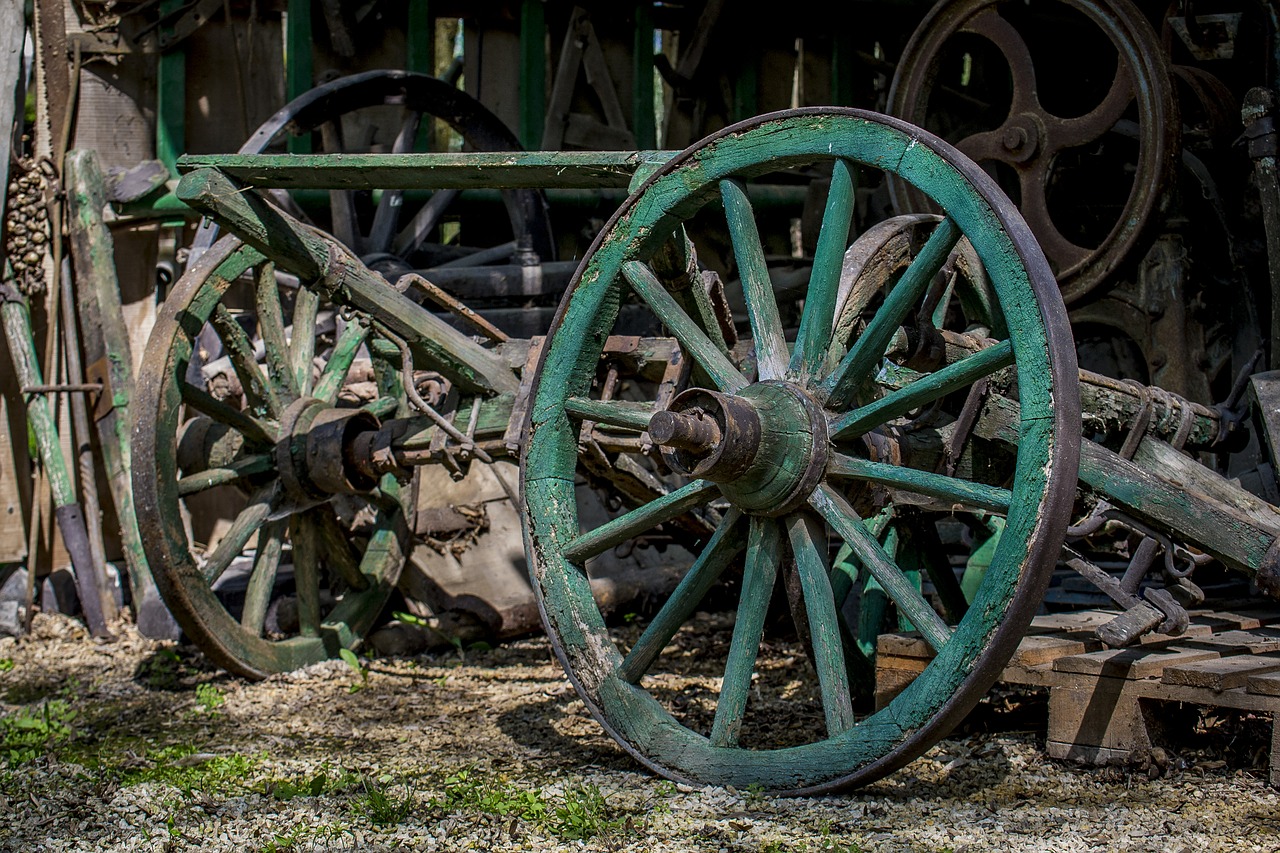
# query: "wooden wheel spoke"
250,519
808,543
262,580
254,430
302,343
383,407
246,466
724,545
895,583
306,572
271,327
928,388
813,340
387,215
625,526
337,548
867,350
427,217
764,552
722,372
235,340
757,288
952,489
617,413
344,354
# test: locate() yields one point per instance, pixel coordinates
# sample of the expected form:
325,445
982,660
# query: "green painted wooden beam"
643,121
533,72
313,257
466,170
171,100
297,63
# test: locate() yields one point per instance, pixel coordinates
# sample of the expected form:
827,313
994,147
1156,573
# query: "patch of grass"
188,770
315,785
583,812
30,731
380,806
6,664
209,698
302,836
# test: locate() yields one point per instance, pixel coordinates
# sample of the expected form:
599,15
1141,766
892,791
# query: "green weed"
209,698
188,771
29,732
381,807
584,814
6,664
308,786
350,659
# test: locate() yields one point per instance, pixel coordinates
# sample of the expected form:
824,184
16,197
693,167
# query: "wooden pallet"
1101,700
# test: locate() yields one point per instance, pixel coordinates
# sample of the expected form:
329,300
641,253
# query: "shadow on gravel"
559,727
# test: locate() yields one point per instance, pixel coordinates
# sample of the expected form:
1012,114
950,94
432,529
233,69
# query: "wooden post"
107,356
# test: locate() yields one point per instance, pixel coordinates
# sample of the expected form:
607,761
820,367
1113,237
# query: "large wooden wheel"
317,548
784,452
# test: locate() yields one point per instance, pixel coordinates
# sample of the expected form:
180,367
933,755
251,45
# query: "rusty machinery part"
389,239
1029,141
287,444
809,430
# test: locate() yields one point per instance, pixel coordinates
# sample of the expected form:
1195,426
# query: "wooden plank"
1220,674
460,170
1264,684
1260,641
1036,650
1073,622
1130,663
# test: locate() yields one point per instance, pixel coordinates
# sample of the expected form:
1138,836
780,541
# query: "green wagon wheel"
270,447
779,454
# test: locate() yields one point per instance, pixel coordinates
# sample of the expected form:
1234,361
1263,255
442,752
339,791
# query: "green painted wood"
171,99
725,544
638,520
209,478
162,390
247,523
923,391
345,350
105,337
533,72
262,579
695,341
757,288
865,353
306,572
259,394
255,430
836,510
813,340
312,256
297,63
964,493
420,40
565,170
808,543
619,413
335,547
764,552
958,674
676,266
271,327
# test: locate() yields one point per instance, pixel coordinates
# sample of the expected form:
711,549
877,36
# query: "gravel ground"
138,745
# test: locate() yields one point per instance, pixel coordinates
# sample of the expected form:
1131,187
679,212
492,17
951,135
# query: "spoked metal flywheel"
790,445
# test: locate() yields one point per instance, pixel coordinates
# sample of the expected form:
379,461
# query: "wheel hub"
766,446
317,454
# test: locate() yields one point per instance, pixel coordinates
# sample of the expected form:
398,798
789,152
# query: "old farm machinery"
910,394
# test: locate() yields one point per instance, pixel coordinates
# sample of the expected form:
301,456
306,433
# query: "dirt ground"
137,745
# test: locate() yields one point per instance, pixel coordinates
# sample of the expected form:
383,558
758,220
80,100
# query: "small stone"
11,622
